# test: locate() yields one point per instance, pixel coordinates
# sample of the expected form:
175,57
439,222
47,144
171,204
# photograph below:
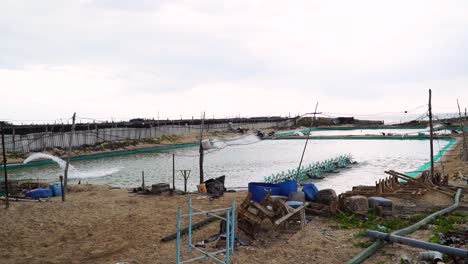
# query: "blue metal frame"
230,232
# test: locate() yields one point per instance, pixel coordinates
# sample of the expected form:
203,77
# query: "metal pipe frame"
452,251
230,233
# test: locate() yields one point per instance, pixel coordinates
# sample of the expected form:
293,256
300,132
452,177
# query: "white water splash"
57,160
74,173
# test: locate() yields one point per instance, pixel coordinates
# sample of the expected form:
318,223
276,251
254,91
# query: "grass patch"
364,244
445,224
372,220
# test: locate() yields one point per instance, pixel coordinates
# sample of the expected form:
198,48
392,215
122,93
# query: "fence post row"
91,135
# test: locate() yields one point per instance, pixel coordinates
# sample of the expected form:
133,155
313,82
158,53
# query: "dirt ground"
99,224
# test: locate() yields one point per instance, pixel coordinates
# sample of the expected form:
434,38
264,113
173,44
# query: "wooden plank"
248,216
286,217
264,210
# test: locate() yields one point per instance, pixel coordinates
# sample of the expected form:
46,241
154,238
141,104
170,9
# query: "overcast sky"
135,58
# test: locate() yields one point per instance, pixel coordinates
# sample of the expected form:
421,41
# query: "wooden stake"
69,152
173,171
5,171
462,126
143,181
14,143
431,129
201,149
61,188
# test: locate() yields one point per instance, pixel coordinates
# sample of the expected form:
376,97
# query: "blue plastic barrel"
310,190
287,186
258,190
56,190
39,193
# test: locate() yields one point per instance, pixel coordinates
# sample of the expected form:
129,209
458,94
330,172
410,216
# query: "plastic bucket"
310,190
259,189
201,188
56,190
287,186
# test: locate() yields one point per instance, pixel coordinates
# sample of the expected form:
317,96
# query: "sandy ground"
452,162
103,225
98,224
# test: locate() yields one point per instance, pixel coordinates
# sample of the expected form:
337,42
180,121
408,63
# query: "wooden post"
201,150
143,180
14,143
5,172
67,164
462,126
86,136
97,133
61,188
173,171
431,131
62,143
186,175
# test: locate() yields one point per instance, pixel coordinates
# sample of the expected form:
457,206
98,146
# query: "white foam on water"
79,174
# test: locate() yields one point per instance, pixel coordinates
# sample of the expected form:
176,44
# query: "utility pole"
462,126
431,131
307,140
7,203
201,149
72,132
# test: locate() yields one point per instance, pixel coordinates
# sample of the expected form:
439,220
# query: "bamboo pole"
307,140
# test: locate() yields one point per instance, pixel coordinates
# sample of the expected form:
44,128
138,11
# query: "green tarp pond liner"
105,155
437,156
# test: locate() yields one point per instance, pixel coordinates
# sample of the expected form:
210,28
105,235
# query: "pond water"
248,159
362,132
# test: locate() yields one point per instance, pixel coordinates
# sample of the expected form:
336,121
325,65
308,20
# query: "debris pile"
251,214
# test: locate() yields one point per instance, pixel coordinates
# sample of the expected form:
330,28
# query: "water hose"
452,251
380,243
